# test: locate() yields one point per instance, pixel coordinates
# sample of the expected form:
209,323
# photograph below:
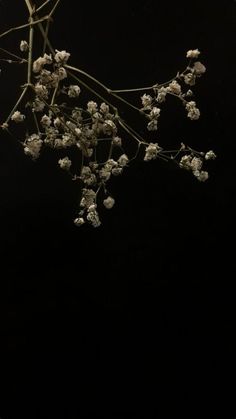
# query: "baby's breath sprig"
54,116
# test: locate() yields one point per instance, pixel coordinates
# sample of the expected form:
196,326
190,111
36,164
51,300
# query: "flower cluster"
54,116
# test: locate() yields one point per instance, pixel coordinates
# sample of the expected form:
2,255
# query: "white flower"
62,74
92,107
190,79
151,151
73,91
38,105
117,141
199,68
104,108
202,176
57,122
24,46
196,164
46,121
109,127
88,198
210,155
41,90
193,111
152,125
185,162
32,146
65,163
123,160
155,112
174,87
116,171
104,174
161,96
93,216
79,221
61,57
193,53
146,101
108,202
40,62
17,117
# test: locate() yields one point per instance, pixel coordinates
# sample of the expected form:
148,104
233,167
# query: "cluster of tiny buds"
60,124
194,163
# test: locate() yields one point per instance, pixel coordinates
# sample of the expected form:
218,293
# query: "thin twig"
13,55
26,25
42,5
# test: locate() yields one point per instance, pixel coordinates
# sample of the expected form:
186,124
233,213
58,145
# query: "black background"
136,318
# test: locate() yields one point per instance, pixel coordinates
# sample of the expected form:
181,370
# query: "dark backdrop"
136,318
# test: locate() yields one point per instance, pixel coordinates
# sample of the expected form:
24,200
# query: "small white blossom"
174,87
152,125
79,221
190,79
193,111
4,125
41,91
117,141
185,162
65,163
146,101
161,95
123,160
109,202
199,68
32,146
116,171
40,62
152,151
109,127
196,164
61,73
61,57
24,46
17,117
202,176
57,122
210,155
155,112
38,105
46,121
104,108
92,107
93,216
193,53
73,91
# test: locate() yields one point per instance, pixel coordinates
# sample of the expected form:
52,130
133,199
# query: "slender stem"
127,129
40,7
30,52
46,36
138,89
54,8
125,101
30,8
26,25
13,55
77,70
109,91
54,95
92,91
46,40
17,104
36,122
